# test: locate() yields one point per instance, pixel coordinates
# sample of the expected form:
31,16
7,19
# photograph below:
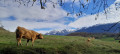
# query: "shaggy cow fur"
26,34
88,40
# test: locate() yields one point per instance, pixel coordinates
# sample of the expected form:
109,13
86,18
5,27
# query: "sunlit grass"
52,44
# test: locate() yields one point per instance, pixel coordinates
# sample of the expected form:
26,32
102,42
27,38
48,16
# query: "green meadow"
52,44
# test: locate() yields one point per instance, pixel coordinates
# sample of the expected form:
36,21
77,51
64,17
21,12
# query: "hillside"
2,29
57,45
100,28
96,35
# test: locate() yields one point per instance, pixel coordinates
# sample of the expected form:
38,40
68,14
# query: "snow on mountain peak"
60,32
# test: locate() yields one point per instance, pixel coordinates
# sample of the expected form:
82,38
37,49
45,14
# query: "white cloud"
12,25
35,12
50,15
89,20
117,1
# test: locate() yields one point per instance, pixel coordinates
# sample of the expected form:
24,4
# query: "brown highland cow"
26,34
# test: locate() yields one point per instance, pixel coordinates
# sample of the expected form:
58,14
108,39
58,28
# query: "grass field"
109,39
57,45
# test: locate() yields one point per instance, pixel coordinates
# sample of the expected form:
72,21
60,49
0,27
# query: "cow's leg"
18,39
27,42
32,42
20,42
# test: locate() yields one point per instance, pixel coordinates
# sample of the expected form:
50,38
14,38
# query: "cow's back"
34,34
28,35
20,31
24,33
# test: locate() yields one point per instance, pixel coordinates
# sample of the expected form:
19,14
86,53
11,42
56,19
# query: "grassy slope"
57,45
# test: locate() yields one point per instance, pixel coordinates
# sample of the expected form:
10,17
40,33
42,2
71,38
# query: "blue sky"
90,5
43,21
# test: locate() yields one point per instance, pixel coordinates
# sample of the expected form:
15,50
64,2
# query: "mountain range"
59,32
99,28
102,28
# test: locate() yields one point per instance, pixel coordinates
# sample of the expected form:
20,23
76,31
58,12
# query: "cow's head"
40,36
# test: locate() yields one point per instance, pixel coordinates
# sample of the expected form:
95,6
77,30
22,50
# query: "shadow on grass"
13,49
114,50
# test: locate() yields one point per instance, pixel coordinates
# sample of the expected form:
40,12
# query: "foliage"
96,35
